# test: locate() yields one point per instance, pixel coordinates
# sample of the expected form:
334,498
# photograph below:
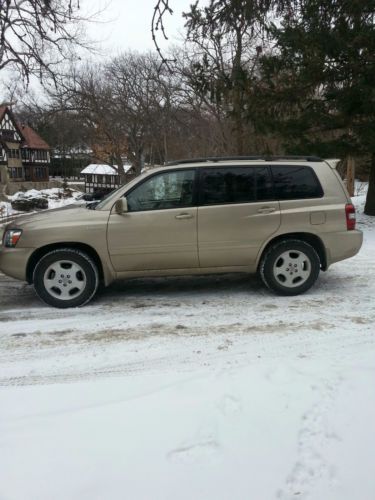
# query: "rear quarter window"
295,182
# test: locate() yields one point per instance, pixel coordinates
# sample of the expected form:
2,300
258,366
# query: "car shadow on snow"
16,295
183,287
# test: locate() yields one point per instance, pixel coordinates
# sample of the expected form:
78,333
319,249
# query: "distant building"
100,178
24,155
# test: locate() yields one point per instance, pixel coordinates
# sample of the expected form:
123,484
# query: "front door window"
163,191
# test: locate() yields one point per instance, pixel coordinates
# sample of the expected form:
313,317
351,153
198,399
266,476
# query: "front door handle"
184,216
266,210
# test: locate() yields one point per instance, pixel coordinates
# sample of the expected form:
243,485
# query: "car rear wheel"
290,267
66,277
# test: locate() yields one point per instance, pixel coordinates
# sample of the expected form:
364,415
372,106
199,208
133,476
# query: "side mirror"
121,206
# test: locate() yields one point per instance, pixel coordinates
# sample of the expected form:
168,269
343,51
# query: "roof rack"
239,158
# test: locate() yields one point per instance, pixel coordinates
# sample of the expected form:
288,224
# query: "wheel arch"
40,252
310,238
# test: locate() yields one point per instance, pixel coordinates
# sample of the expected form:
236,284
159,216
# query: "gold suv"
285,218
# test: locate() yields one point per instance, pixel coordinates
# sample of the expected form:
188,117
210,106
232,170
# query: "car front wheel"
66,277
290,267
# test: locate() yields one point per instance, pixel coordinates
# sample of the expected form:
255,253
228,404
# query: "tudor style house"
24,155
102,178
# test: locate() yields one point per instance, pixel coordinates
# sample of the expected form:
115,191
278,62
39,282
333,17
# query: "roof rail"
239,158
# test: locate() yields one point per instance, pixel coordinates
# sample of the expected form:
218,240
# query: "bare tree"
155,100
37,35
86,93
161,8
125,104
217,69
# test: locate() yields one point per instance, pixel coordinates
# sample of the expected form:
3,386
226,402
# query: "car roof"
236,161
247,159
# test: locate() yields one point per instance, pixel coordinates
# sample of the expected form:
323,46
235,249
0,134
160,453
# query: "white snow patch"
57,198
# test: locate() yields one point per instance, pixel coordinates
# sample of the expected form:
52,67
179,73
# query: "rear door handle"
266,210
184,216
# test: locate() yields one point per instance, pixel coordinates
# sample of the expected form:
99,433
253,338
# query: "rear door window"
229,185
295,182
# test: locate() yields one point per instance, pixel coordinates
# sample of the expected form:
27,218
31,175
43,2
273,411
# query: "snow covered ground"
192,388
55,196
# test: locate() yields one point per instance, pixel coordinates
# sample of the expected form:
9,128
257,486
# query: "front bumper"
13,261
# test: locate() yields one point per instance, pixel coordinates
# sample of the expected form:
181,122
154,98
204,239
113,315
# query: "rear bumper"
342,245
13,261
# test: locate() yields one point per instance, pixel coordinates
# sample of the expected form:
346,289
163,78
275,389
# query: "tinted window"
236,185
166,190
295,182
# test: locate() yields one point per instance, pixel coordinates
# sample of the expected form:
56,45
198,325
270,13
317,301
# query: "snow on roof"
102,169
95,168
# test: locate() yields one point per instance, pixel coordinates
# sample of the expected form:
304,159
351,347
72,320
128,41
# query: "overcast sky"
126,24
123,25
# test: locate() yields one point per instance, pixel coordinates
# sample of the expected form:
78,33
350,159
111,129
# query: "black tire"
290,267
74,287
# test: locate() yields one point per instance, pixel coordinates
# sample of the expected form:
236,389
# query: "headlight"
11,237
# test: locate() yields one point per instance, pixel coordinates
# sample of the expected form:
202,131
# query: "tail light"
350,216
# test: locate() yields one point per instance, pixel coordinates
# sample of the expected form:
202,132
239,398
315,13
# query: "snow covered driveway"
192,388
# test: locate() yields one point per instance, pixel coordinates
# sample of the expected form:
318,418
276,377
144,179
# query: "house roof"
102,169
96,168
2,111
32,139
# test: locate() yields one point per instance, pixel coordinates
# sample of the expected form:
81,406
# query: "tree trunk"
120,169
239,131
238,85
350,175
138,161
165,147
370,200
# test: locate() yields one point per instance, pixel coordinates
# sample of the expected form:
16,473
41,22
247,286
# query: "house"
35,155
99,177
24,155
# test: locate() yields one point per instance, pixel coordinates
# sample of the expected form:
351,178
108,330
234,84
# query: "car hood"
67,215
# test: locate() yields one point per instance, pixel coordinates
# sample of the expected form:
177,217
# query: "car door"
237,213
159,231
